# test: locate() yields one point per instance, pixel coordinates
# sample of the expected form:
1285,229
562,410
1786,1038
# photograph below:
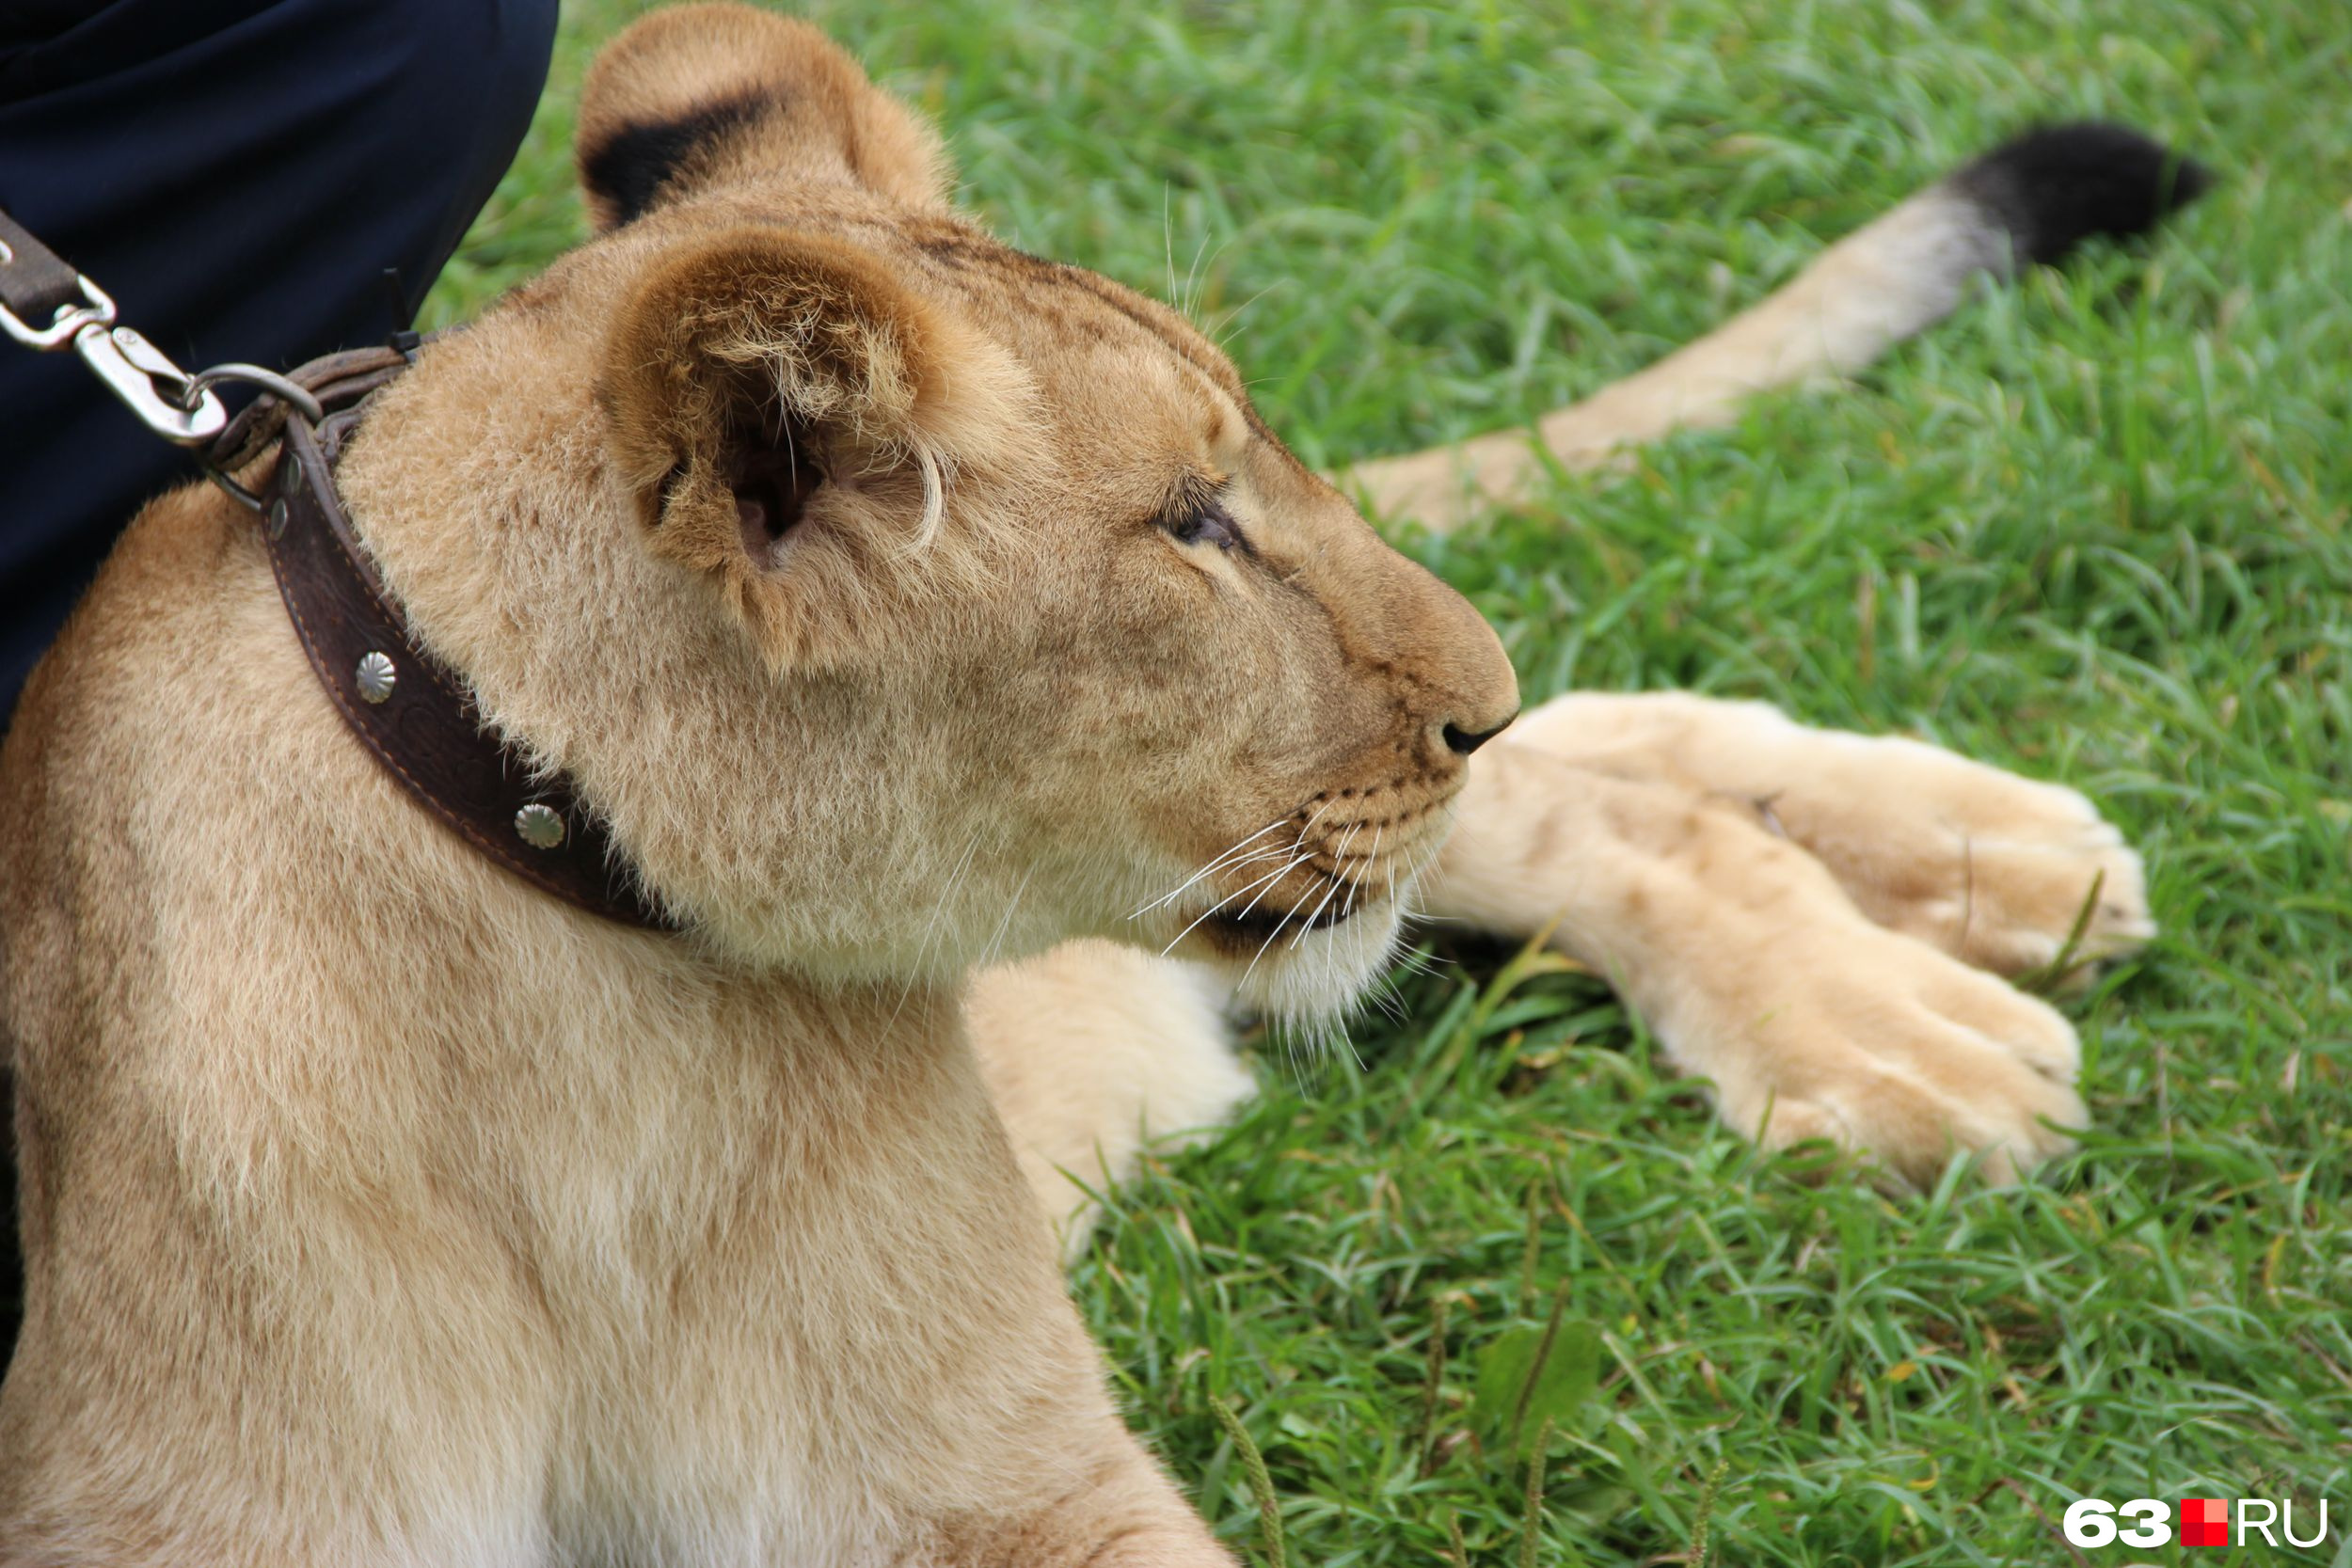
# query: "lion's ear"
694,96
761,380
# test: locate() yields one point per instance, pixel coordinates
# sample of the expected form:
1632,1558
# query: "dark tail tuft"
2056,186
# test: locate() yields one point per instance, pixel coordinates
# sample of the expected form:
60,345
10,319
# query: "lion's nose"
1462,742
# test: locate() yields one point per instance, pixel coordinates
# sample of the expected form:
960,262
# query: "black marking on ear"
2058,185
631,167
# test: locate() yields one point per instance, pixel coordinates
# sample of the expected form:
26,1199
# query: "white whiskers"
1222,859
1262,884
1338,881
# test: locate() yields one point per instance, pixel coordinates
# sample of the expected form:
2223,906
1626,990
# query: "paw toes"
1918,1129
1999,1086
2005,1022
1789,1122
2122,922
2019,906
2015,1110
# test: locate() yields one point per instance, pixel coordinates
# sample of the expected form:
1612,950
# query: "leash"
409,712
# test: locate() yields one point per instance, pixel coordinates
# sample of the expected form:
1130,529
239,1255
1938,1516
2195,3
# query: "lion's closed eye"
1197,514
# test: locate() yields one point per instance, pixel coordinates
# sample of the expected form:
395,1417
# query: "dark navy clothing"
238,174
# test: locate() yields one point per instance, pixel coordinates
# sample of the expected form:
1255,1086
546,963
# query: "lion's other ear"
757,373
698,95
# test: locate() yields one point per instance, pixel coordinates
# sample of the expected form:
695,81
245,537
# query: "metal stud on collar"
376,677
541,827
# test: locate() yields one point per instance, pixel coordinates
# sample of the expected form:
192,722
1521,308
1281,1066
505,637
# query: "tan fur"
1730,923
379,1210
1092,1051
1879,285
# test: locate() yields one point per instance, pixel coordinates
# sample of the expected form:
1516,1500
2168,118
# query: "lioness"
903,602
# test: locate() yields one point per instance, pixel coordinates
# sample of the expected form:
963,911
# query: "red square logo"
2204,1522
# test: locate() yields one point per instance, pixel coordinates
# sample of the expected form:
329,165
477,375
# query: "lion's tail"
2032,199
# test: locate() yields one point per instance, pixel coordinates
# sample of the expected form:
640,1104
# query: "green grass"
2095,528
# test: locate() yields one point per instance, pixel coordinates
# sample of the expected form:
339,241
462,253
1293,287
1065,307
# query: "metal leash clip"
169,401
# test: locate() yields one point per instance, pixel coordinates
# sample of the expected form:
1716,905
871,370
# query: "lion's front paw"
2005,873
1992,867
1885,1046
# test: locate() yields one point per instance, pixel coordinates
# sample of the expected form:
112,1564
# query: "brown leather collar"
413,716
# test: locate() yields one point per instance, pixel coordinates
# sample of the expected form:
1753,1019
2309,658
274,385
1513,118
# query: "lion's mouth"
1258,926
1295,881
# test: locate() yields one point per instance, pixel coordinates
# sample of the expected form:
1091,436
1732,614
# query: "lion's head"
902,597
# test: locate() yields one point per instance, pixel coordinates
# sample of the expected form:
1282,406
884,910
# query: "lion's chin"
1301,973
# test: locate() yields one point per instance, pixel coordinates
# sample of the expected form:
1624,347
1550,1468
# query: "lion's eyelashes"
1210,524
1197,514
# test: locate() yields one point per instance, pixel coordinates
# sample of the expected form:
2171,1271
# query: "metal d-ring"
285,391
238,493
